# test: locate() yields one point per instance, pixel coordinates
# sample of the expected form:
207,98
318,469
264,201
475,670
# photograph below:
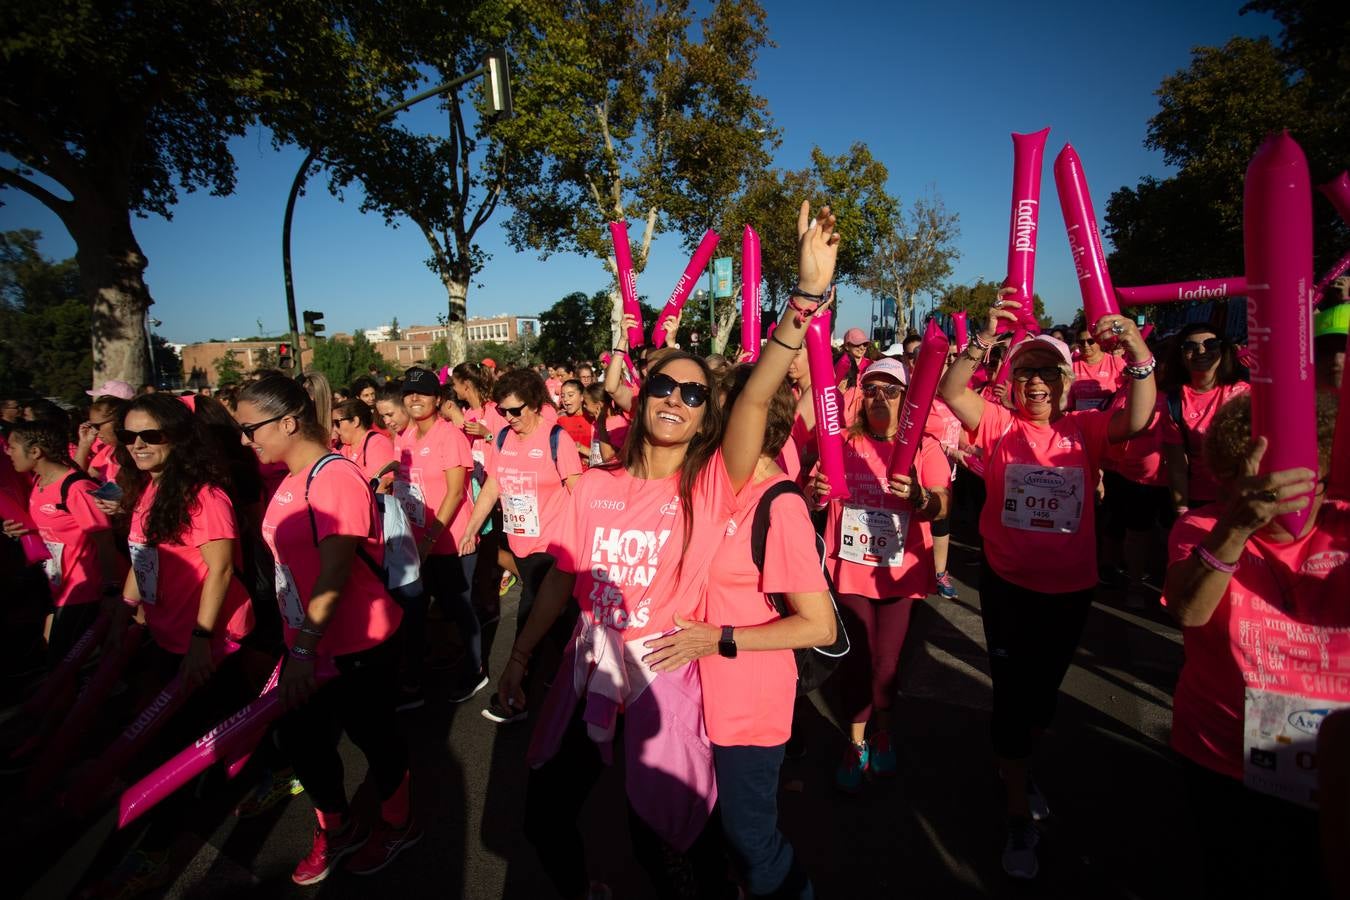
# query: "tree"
120,105
168,364
976,299
914,255
229,370
1212,117
438,356
639,117
334,360
394,334
578,327
44,322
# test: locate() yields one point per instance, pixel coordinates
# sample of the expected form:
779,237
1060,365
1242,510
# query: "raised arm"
1143,395
955,388
817,249
620,393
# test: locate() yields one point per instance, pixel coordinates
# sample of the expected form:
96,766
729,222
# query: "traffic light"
497,83
313,323
284,356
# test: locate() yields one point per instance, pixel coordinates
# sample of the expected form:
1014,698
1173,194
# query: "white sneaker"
1040,810
1019,852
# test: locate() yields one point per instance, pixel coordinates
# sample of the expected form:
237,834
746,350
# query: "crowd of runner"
678,550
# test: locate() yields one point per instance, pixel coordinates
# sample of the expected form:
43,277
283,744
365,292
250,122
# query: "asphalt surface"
935,830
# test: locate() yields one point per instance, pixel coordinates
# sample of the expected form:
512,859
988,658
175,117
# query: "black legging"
1031,638
359,701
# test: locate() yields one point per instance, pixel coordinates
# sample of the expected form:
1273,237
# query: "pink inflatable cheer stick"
237,765
750,276
697,265
1028,157
75,728
962,330
1085,243
623,259
923,385
1337,190
59,682
1333,273
829,404
1277,242
1338,487
230,738
1178,291
34,550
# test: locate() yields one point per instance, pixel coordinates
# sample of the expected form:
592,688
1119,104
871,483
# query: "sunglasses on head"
251,428
1048,374
692,394
149,436
889,391
1208,345
512,411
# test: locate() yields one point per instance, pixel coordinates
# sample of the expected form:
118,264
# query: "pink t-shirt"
73,571
421,488
1283,625
1197,411
1140,459
272,475
1094,384
616,431
944,427
1038,522
747,701
623,540
875,547
530,484
554,387
373,453
170,576
103,461
342,503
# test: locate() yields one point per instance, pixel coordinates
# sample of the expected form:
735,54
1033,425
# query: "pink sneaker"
328,851
385,843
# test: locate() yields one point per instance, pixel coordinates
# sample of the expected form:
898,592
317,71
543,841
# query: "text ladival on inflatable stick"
623,260
698,264
1024,220
1277,243
1180,291
923,385
237,764
750,277
1085,243
829,405
962,330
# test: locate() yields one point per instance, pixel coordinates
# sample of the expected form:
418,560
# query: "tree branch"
36,191
648,232
59,163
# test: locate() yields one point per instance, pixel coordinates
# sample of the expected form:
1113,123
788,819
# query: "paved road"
935,830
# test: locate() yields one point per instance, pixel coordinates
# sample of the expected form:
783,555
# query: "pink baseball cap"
1042,342
118,389
887,368
855,336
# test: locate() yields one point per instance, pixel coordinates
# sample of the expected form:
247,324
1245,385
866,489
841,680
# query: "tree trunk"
456,323
112,271
722,327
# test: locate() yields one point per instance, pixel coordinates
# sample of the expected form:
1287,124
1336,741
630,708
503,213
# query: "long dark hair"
1177,373
222,431
701,447
278,395
782,407
193,464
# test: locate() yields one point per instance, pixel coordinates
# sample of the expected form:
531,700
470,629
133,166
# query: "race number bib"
520,504
1043,498
1279,744
288,597
145,565
872,537
53,566
414,505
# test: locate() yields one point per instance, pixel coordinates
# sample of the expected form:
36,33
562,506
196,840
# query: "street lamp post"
497,69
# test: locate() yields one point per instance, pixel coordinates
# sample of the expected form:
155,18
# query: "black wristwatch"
727,645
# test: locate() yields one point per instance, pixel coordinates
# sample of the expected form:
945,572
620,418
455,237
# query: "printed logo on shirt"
283,497
622,559
48,509
1325,562
731,527
424,451
1065,443
672,507
536,453
615,505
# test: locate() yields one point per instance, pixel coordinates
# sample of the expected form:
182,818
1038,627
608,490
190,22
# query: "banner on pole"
722,277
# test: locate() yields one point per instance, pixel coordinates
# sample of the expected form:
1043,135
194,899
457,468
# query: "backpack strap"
1174,409
67,483
554,436
365,446
759,531
309,479
501,438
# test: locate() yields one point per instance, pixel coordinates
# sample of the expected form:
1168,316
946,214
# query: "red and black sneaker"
329,849
385,843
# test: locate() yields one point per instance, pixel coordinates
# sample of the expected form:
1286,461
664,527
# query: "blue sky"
933,89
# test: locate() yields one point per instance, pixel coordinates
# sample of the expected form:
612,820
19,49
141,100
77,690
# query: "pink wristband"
129,602
1213,562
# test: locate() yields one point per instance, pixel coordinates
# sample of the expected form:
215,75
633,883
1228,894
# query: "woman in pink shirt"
96,452
327,540
372,451
482,422
1199,378
1040,553
1265,617
1096,375
531,468
880,550
636,553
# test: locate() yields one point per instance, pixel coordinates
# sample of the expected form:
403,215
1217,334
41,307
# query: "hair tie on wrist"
774,338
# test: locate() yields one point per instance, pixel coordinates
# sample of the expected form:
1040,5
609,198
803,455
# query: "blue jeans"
747,791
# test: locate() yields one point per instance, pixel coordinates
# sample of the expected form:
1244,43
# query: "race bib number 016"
872,537
1043,498
1279,744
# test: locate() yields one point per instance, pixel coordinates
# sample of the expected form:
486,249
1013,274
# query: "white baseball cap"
886,368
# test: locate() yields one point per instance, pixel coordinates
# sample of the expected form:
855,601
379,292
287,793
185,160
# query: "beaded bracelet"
1142,370
301,653
1211,561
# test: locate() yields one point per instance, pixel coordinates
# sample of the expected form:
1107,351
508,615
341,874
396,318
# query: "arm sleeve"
213,520
82,508
994,421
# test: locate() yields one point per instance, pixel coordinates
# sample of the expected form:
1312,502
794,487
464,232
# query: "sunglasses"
889,391
337,423
1048,374
149,436
1085,342
1208,345
692,394
512,411
251,428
